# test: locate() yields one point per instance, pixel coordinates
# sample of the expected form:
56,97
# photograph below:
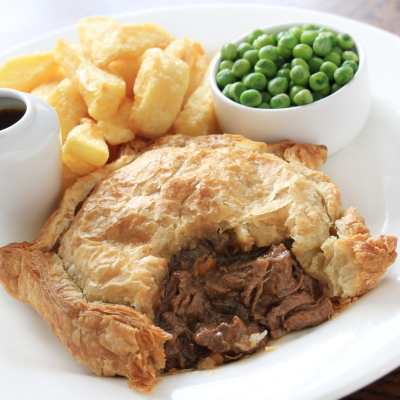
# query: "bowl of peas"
303,82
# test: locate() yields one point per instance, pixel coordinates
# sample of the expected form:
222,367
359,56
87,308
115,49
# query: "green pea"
269,52
343,75
255,80
303,97
266,97
294,90
286,65
301,62
226,91
251,98
280,61
235,90
319,81
278,85
284,52
279,35
229,52
266,67
251,56
329,69
296,31
284,73
345,41
243,47
224,77
310,27
274,39
338,50
353,65
263,40
350,56
332,36
308,37
241,67
226,64
322,45
303,51
264,105
288,40
325,29
281,100
335,87
318,96
299,75
254,35
334,57
315,64
325,91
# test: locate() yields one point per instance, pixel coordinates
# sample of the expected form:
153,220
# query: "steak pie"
193,252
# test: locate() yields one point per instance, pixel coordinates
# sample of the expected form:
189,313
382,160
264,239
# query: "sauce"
9,116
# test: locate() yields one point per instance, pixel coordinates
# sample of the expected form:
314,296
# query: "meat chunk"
221,306
229,337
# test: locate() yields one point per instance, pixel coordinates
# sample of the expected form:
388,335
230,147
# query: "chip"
28,72
105,40
197,74
197,116
120,128
102,92
159,90
127,70
192,53
69,105
75,166
184,49
45,91
85,143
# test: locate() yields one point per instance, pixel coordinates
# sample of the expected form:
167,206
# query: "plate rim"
392,361
173,8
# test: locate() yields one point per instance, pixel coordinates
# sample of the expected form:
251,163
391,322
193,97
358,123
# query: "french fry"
69,105
197,74
85,143
120,128
197,116
127,70
101,91
192,53
105,40
184,49
45,90
75,165
28,72
159,90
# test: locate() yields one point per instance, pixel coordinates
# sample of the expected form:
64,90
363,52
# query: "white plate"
326,362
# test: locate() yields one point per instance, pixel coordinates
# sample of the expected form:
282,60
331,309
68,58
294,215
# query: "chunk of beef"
229,337
220,305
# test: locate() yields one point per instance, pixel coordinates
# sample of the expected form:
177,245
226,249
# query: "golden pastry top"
181,190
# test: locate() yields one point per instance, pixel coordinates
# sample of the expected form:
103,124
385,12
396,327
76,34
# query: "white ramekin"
333,121
30,169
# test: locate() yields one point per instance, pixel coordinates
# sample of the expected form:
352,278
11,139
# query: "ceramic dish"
29,168
336,358
317,122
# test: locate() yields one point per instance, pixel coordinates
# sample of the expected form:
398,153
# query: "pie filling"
220,307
